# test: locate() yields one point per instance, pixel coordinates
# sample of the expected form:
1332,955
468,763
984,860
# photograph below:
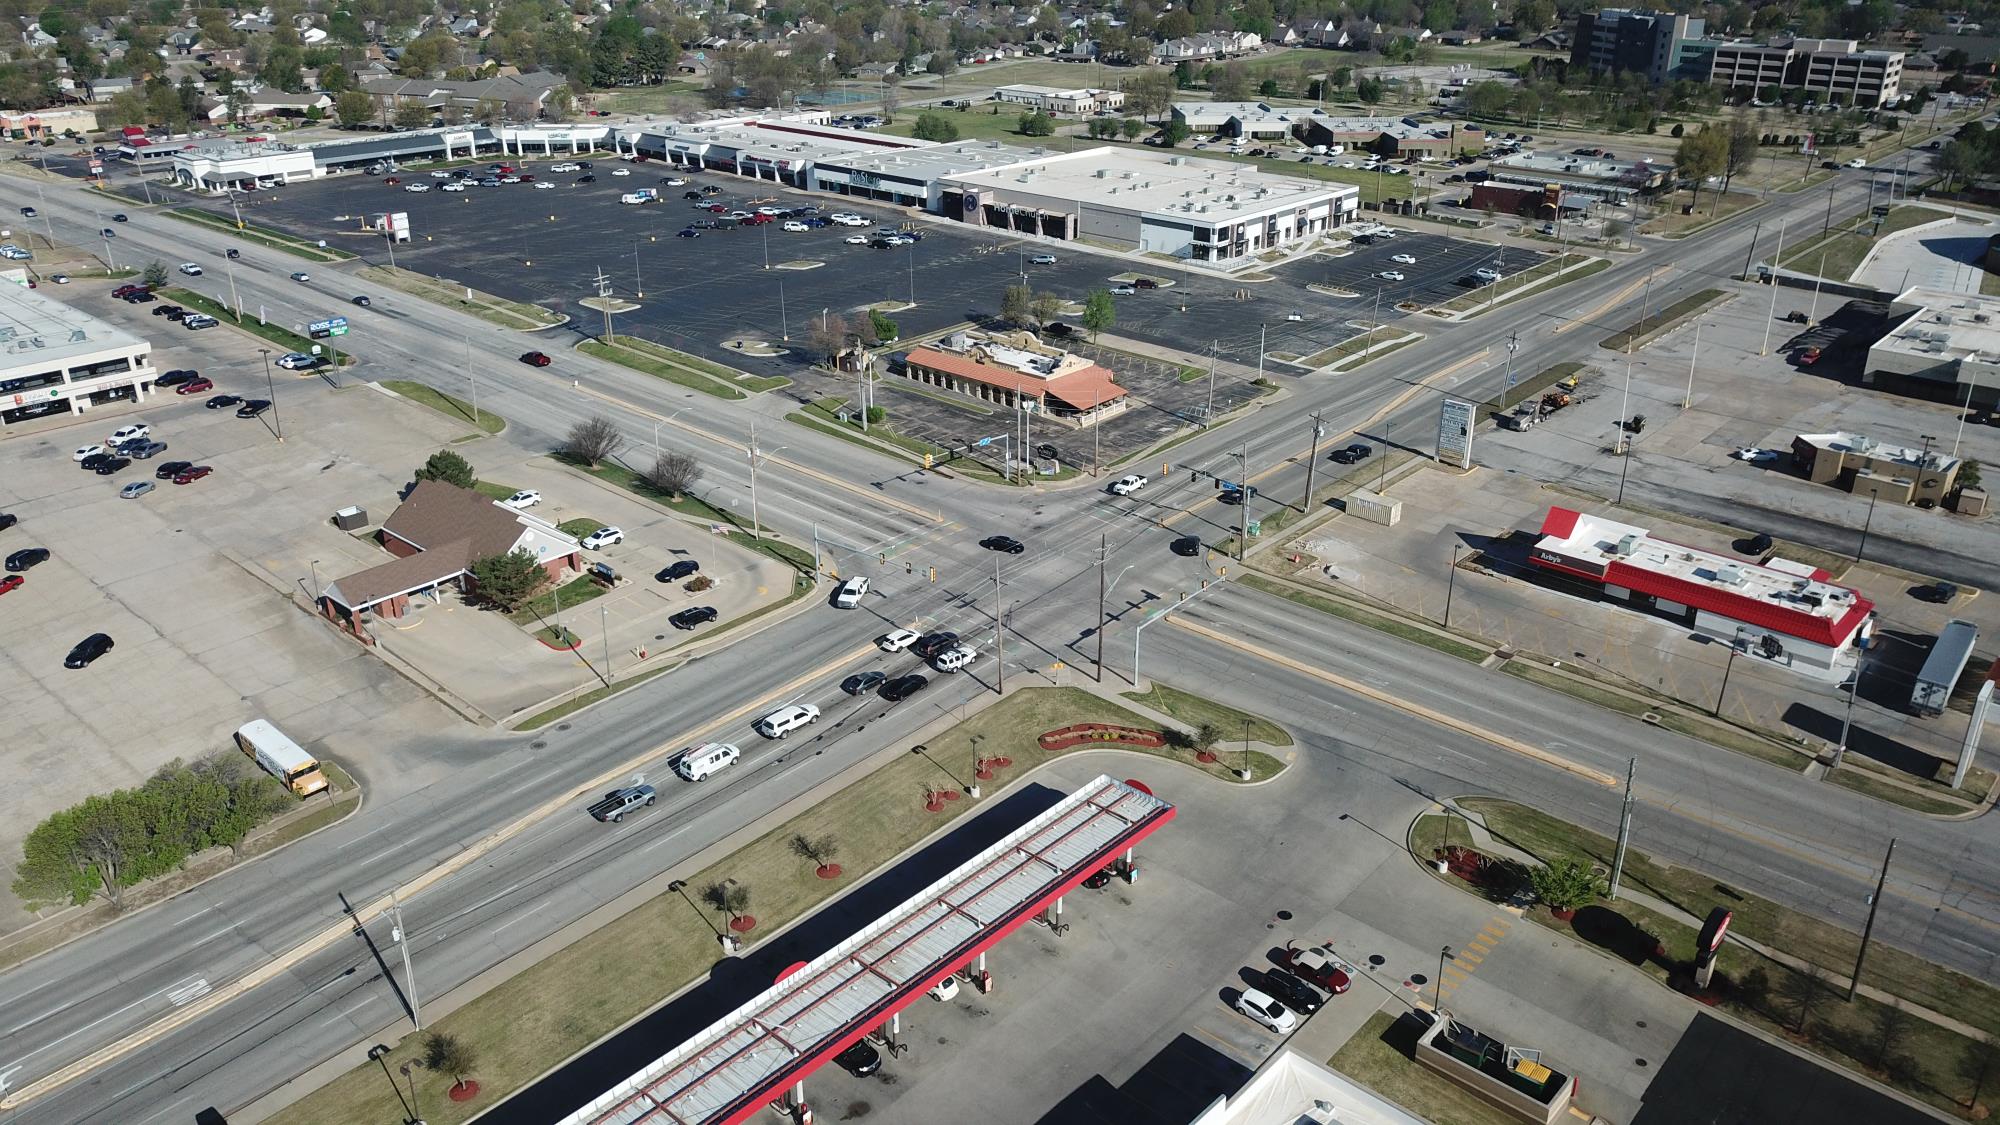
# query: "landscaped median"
690,371
1836,252
546,1013
1540,277
1910,1050
442,291
1649,327
262,236
276,334
453,408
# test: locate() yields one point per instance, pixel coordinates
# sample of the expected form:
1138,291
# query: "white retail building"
54,359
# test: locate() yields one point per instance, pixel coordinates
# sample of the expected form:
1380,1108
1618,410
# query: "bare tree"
1979,1064
816,850
1047,307
730,899
892,96
1804,989
593,440
829,335
673,473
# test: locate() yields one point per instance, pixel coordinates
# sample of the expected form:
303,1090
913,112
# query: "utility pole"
999,635
1513,345
1624,830
1874,904
1243,471
1103,551
1773,314
474,372
604,303
1319,431
756,521
1375,321
401,937
1752,251
1687,399
1208,412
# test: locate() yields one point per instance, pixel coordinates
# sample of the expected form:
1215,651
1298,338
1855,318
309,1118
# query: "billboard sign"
1454,442
332,326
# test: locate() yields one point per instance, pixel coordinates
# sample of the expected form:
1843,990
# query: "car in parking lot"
111,465
862,682
1128,484
297,361
123,434
135,489
1390,275
195,322
1755,455
7,520
896,640
192,473
688,232
692,616
524,499
1272,1015
1042,260
1290,991
794,226
26,558
618,802
1320,966
11,583
176,377
89,464
603,537
145,450
85,451
251,408
455,185
903,687
221,402
1809,355
856,240
536,359
1123,290
168,470
1006,543
685,568
88,650
1405,259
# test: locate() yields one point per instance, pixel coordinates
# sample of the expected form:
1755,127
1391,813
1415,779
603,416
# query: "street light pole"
402,938
1312,461
271,388
1867,931
1103,550
1444,954
999,635
1773,315
1451,582
1865,525
1687,399
1735,644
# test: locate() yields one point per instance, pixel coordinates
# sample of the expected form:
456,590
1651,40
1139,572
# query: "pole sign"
1454,443
332,326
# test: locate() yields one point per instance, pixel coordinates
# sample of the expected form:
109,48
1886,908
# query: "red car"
392,181
1809,356
11,582
194,387
125,290
192,473
536,359
718,208
527,177
1320,966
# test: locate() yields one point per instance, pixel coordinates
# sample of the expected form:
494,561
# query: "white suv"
190,269
1128,484
851,592
603,537
785,720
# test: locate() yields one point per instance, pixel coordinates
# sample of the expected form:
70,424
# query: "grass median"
625,356
1837,252
1536,279
262,236
1194,710
453,408
590,988
443,291
1379,622
1644,329
276,334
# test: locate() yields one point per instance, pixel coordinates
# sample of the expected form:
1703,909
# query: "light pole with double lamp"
271,388
1444,955
727,941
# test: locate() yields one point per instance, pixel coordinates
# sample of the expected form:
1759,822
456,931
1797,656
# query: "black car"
1292,992
860,1060
682,569
87,650
140,298
587,178
1360,452
691,617
903,687
1187,546
861,682
111,465
176,377
171,469
118,218
1005,543
690,195
233,253
220,402
89,464
363,301
7,520
1100,878
253,408
930,644
26,557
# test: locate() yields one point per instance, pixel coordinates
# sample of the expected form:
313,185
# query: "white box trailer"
1943,667
281,757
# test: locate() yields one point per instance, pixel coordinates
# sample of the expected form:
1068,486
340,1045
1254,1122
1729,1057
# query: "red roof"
1560,522
1773,616
1084,388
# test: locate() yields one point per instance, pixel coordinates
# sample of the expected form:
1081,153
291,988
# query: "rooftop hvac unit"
1982,318
76,335
1729,576
1944,318
1628,544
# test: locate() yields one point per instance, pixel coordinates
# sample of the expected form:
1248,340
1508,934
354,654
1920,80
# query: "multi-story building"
1836,70
54,359
1662,46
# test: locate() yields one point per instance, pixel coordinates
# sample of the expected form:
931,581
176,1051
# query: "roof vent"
76,335
1730,576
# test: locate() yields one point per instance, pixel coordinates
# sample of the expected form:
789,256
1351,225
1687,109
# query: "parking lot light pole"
1865,525
1443,956
315,573
271,388
1687,399
1451,582
380,1053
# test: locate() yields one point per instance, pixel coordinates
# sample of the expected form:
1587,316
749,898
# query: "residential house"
512,90
35,37
104,89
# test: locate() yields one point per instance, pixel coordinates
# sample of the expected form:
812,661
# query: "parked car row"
24,559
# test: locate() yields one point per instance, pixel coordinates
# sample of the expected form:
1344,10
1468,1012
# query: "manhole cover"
659,636
1284,915
538,744
1376,959
1639,1062
1419,978
562,726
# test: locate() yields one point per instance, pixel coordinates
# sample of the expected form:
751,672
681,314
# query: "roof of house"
451,527
1781,597
1084,388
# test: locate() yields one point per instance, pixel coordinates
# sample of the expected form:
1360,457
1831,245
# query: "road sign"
332,326
1454,444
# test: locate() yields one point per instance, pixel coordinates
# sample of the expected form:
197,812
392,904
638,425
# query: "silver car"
136,489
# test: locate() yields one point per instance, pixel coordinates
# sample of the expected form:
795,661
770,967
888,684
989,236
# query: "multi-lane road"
253,1012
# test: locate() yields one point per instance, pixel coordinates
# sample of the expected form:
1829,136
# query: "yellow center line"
1617,298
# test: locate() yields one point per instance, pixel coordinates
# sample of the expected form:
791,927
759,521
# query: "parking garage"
761,1053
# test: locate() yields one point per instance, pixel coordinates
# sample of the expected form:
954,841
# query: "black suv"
930,644
682,569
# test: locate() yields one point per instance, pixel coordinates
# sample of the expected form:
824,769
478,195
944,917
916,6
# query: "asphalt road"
93,991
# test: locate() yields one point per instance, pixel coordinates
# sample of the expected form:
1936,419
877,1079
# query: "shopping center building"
55,359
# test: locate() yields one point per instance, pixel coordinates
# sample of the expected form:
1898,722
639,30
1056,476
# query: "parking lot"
1442,269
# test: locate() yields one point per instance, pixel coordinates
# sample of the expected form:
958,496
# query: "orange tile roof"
1083,388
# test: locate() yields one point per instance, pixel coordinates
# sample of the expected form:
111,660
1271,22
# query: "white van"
696,763
785,720
851,592
952,659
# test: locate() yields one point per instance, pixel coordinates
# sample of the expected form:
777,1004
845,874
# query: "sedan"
686,568
192,473
860,1060
903,687
363,300
135,489
931,644
222,402
1390,275
1321,967
87,650
856,240
897,641
1187,546
297,361
253,407
89,464
536,359
26,558
693,616
862,682
621,171
7,520
688,232
301,276
1266,1011
1292,992
1005,543
59,278
526,498
545,186
145,450
172,469
1123,290
111,465
1405,259
120,218
84,451
1755,455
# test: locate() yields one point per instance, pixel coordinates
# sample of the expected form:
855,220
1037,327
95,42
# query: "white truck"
281,757
643,195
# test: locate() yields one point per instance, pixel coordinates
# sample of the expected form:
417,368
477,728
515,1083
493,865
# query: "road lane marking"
1615,299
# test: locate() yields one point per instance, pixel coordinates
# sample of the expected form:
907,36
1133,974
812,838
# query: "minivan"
851,592
951,660
785,720
697,763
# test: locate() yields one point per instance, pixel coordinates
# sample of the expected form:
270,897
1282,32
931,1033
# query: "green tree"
1231,83
413,115
1036,124
933,126
448,467
509,580
445,1053
1968,474
1369,90
1174,132
1099,312
1700,156
54,866
155,274
1740,151
1131,127
1268,88
883,328
729,898
1565,884
1017,305
354,108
